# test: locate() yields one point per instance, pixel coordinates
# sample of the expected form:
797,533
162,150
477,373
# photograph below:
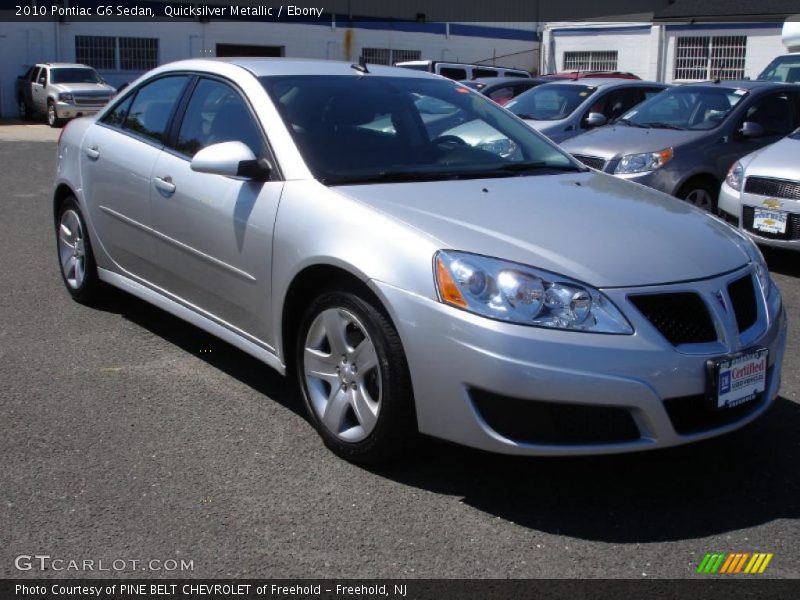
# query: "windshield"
74,75
689,107
550,102
367,129
784,68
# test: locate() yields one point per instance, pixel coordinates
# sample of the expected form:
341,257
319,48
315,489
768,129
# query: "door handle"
92,152
165,184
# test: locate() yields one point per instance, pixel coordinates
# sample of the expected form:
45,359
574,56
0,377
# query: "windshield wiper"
526,116
631,123
509,170
660,125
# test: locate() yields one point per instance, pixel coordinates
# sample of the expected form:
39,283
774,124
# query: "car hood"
778,160
80,88
618,140
589,226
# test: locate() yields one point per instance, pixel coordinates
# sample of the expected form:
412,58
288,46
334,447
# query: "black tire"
91,289
696,187
395,431
52,115
23,109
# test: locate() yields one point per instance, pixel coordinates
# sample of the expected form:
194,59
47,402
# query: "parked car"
761,194
460,71
412,282
683,141
588,75
61,91
563,110
502,89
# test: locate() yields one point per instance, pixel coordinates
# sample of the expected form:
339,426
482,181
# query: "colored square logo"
725,382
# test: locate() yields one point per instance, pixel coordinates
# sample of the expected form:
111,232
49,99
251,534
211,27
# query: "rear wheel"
700,192
75,256
353,374
22,108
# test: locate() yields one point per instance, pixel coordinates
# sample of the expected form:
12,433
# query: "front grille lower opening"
554,423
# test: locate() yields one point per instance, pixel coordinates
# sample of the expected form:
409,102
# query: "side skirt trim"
195,318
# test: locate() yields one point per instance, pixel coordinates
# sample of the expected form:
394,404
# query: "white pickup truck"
61,91
786,67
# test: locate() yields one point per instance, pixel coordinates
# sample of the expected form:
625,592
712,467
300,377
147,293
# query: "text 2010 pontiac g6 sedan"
328,219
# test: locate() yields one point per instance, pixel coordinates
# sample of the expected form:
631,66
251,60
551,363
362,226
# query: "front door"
214,239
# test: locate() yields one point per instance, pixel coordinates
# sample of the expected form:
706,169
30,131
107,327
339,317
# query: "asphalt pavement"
126,434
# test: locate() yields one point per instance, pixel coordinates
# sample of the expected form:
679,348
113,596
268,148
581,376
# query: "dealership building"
121,51
688,40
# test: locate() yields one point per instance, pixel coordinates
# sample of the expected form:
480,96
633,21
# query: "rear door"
117,159
214,240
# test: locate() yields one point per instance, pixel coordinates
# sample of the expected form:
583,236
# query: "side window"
217,113
476,73
42,76
773,112
151,108
116,116
650,92
453,73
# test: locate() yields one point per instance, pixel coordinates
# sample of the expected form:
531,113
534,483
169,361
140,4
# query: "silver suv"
61,91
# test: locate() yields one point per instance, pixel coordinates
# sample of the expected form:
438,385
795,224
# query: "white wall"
650,54
22,44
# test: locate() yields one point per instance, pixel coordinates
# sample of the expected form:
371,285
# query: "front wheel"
52,115
700,193
75,256
354,377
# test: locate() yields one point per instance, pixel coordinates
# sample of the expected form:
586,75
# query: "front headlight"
735,176
642,163
520,294
65,97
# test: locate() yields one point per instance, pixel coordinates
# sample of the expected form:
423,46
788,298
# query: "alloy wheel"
340,364
700,198
72,249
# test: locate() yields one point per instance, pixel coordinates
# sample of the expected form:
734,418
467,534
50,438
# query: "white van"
461,71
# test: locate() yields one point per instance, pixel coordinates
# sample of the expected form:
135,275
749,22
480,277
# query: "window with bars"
112,54
388,56
592,60
97,51
710,57
138,54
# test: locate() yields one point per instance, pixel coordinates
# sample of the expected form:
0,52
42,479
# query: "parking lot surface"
128,434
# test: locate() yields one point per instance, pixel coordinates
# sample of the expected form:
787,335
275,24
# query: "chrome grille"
595,162
777,188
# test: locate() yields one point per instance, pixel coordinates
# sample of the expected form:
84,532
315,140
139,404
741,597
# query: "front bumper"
733,203
452,354
69,110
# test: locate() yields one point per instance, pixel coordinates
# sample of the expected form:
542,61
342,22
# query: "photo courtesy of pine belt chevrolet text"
421,259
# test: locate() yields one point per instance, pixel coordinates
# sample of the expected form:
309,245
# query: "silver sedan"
332,220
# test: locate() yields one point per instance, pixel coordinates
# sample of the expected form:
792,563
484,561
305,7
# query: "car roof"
741,84
501,80
64,64
264,67
605,82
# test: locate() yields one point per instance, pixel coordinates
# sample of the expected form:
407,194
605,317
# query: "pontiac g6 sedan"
493,293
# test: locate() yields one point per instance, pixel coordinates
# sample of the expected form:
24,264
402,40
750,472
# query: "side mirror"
751,129
232,159
595,119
